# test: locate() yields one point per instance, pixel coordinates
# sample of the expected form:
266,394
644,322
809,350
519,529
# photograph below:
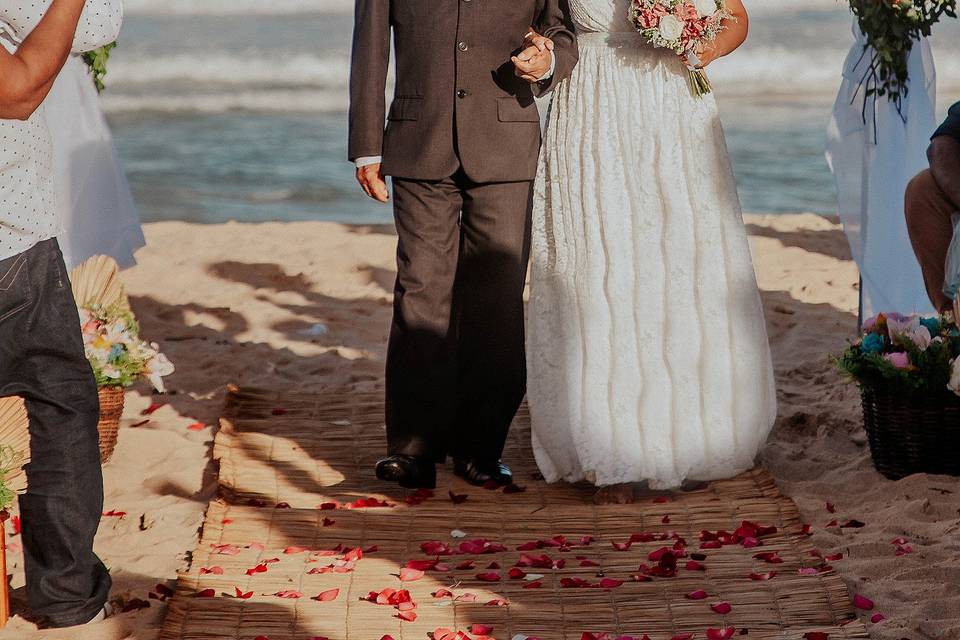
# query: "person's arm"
99,24
551,52
730,38
944,156
27,75
368,80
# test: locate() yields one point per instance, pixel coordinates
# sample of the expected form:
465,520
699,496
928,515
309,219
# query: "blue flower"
872,343
116,352
932,324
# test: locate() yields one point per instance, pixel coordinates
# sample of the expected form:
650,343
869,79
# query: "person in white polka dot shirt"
41,350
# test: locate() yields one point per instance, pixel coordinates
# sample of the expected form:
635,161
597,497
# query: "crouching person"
931,200
41,349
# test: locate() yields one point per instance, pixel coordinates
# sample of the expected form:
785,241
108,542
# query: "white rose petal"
670,28
705,8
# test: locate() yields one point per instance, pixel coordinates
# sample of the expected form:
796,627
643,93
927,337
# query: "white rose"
670,28
705,7
954,384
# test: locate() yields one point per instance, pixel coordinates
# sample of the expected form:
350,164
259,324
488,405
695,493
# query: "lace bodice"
600,16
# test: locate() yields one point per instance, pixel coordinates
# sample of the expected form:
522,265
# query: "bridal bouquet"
891,27
96,61
117,354
682,26
904,355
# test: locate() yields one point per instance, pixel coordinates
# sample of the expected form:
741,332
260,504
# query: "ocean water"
236,109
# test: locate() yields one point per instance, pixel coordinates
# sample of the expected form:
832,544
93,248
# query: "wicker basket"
111,408
908,435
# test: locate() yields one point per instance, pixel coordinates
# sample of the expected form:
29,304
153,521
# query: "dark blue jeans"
41,351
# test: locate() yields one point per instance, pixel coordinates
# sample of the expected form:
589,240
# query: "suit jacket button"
462,46
463,93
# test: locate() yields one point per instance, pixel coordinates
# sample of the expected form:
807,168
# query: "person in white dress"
648,353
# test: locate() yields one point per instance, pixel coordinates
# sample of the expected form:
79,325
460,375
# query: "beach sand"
306,306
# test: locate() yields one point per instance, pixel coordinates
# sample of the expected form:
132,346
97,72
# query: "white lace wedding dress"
648,352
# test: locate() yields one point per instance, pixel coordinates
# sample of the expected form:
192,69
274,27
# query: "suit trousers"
929,212
456,362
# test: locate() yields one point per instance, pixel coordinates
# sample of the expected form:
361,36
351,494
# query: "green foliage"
891,28
10,461
97,61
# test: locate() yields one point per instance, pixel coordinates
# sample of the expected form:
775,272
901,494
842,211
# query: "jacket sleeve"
556,23
368,77
99,23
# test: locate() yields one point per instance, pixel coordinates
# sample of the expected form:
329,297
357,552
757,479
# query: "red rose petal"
241,595
877,617
407,616
517,574
610,583
723,608
834,557
683,636
498,602
328,596
852,524
409,575
197,426
481,629
622,546
206,593
816,635
442,593
721,634
489,577
292,550
699,594
862,602
217,571
763,576
536,584
693,565
288,594
831,508
152,408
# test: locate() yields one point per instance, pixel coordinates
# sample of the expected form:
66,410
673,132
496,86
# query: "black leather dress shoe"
480,472
409,472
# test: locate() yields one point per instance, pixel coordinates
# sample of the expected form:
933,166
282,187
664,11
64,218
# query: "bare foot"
614,494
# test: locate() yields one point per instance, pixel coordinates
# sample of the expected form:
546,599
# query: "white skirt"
648,352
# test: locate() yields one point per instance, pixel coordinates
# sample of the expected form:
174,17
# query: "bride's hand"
706,53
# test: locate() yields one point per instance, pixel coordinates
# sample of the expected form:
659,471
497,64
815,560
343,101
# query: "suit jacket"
457,102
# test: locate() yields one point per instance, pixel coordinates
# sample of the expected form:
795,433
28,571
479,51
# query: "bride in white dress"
648,352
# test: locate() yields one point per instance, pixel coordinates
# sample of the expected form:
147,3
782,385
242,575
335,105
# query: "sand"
306,306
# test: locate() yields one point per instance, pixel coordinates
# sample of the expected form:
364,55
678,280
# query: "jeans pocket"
15,293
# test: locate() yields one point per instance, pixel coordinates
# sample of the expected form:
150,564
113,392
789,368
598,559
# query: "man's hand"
534,61
371,180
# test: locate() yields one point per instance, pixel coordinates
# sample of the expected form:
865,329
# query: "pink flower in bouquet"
870,323
899,360
687,13
648,18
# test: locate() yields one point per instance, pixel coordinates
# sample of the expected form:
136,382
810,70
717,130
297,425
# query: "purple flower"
899,360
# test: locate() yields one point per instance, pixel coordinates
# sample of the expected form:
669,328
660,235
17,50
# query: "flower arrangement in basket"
14,454
908,371
891,28
119,358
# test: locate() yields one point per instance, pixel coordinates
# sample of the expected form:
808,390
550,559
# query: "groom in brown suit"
461,144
